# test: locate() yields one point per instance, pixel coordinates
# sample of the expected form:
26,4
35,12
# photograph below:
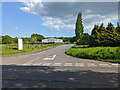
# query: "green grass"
8,49
111,54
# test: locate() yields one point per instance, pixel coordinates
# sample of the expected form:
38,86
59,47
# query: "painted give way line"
31,61
50,58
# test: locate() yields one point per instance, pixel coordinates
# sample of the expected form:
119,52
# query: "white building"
52,40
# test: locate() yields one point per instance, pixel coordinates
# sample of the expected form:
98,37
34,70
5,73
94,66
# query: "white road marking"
115,65
68,64
57,64
104,65
91,65
28,64
79,64
50,58
37,64
46,64
31,61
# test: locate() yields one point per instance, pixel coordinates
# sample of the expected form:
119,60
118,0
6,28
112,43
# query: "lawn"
8,49
111,54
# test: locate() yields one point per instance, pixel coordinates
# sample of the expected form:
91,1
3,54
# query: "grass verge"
111,54
13,49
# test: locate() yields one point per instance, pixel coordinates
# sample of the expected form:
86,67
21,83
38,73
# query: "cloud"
16,27
63,15
56,23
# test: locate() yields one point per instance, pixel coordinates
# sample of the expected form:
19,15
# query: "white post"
20,44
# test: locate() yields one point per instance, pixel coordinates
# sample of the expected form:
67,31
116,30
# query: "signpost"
20,44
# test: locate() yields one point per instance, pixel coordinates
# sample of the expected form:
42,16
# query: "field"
111,54
8,49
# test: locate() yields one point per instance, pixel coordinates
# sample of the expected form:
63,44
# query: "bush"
7,39
84,40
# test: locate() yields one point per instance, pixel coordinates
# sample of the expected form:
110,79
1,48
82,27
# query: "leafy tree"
79,26
84,40
7,39
37,37
73,39
27,40
66,39
15,40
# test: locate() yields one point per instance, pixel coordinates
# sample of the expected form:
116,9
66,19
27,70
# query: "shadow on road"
47,77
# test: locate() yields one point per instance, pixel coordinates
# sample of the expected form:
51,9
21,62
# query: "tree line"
100,35
35,38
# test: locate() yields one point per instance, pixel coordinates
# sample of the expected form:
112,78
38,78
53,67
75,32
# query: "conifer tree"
118,28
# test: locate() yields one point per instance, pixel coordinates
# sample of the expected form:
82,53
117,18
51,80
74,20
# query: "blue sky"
21,19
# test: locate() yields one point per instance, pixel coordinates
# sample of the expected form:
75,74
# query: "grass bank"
111,54
8,49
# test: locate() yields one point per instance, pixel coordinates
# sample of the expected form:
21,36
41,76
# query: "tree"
79,26
94,36
73,39
27,40
102,36
37,37
84,40
118,28
95,29
7,39
15,40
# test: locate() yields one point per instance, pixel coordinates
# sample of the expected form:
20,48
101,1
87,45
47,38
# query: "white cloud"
63,15
16,27
56,23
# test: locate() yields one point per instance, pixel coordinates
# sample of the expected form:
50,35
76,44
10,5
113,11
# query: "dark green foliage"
7,39
101,36
37,37
15,40
84,39
118,27
79,26
27,40
73,39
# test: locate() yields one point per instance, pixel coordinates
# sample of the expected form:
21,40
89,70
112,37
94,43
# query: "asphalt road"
54,69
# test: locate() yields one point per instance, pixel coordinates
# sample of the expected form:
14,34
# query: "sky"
54,19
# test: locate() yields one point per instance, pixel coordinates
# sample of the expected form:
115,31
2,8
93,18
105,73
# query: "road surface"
54,69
